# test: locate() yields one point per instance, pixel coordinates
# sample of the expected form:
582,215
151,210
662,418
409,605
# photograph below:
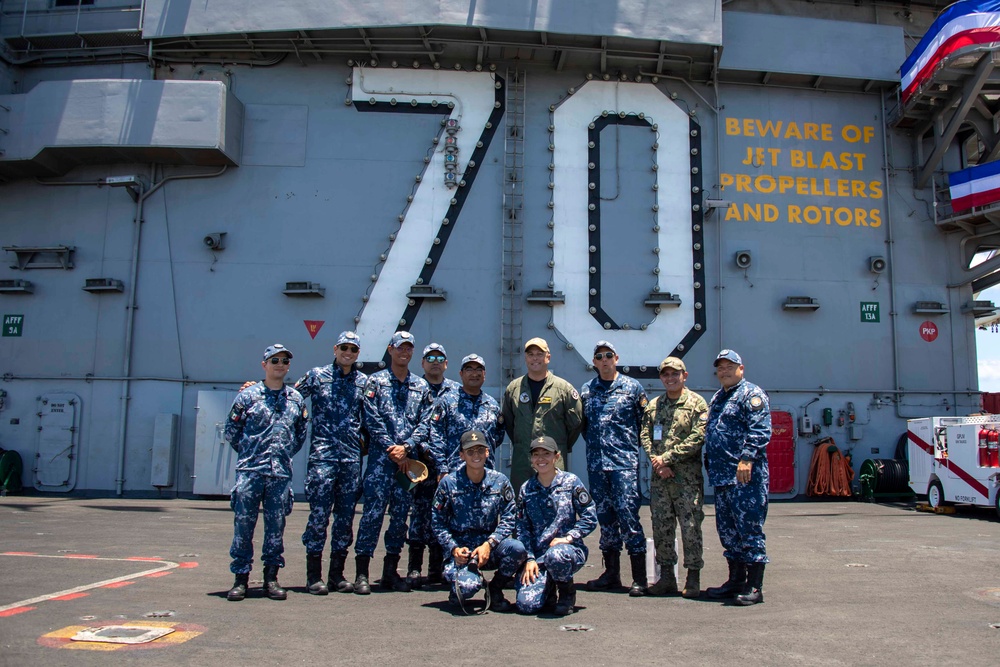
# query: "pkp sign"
928,331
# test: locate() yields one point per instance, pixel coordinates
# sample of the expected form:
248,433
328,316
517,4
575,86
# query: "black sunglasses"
604,355
349,348
274,361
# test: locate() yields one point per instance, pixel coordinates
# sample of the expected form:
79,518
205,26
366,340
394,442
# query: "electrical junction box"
805,425
854,432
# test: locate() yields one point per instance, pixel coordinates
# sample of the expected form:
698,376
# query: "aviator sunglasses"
274,361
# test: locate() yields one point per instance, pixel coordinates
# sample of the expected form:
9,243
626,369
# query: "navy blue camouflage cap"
275,349
434,347
544,442
607,344
730,355
473,359
472,439
349,338
401,337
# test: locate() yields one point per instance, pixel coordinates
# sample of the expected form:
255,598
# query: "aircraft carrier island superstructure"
183,183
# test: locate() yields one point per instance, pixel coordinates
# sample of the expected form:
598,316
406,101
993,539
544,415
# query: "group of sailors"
469,518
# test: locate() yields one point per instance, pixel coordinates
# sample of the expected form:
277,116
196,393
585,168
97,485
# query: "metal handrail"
125,6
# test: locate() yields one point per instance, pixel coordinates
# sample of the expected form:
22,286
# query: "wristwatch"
493,542
570,538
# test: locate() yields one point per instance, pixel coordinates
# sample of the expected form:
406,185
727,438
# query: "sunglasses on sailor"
435,359
274,361
349,348
604,355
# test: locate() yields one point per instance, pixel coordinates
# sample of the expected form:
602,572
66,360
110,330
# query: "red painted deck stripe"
15,610
118,584
19,553
71,596
143,558
188,564
79,556
157,574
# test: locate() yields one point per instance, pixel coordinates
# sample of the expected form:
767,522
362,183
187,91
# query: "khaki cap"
539,343
673,362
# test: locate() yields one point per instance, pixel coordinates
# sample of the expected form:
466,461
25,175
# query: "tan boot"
692,587
667,585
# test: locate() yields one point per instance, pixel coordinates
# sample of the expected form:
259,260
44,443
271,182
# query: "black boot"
272,588
361,585
239,589
639,581
391,581
335,580
435,565
314,574
497,600
567,598
611,578
733,586
752,593
549,605
415,564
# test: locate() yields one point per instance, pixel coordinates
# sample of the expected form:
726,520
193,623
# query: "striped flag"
975,186
962,25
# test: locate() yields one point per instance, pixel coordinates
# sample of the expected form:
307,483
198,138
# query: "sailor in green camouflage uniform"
673,433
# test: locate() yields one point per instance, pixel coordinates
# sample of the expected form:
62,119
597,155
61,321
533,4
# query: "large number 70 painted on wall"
476,101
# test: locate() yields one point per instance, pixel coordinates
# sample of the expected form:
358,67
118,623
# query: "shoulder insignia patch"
582,496
575,394
236,412
643,401
704,417
508,493
500,419
756,403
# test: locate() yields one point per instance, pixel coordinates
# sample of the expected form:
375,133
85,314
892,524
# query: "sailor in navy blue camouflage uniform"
736,437
333,480
465,410
473,520
421,535
267,427
554,513
395,402
612,411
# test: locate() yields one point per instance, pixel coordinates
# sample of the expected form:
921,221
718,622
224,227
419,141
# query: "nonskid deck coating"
849,583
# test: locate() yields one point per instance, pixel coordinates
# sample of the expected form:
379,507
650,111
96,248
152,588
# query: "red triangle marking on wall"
313,327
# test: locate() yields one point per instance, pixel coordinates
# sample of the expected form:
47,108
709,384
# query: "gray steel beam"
979,271
970,91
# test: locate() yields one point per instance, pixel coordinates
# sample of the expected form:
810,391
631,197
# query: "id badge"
657,431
